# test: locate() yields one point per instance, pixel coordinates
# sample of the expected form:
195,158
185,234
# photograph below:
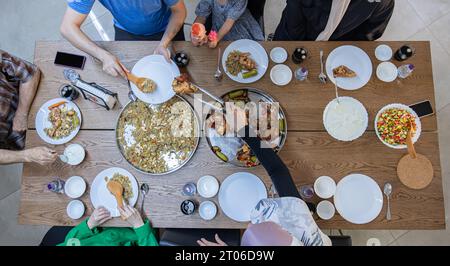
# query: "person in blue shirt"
156,20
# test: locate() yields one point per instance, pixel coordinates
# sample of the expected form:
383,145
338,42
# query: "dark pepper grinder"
299,55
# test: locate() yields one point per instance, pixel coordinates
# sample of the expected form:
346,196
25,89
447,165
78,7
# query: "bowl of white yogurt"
346,119
74,154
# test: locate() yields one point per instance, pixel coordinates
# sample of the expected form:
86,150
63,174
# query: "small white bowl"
281,75
325,210
278,55
75,154
207,186
75,209
325,187
387,72
75,187
207,210
383,52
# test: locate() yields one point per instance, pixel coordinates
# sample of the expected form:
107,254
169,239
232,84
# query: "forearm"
225,29
81,41
275,167
201,20
27,91
175,24
8,157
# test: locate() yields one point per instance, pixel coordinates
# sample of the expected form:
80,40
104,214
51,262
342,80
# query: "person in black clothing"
288,195
334,20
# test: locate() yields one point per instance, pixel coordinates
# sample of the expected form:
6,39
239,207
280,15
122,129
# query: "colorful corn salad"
393,126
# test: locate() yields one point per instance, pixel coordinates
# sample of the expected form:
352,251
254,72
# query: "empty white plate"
75,187
354,58
207,186
281,75
358,199
239,194
387,72
207,210
75,209
156,67
278,55
383,52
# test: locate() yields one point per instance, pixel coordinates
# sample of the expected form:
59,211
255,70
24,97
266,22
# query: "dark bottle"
69,92
299,55
404,53
188,207
181,59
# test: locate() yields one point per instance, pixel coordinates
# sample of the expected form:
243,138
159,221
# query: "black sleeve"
373,28
277,170
292,26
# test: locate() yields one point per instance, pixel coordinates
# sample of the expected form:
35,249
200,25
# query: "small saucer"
383,52
387,72
278,55
281,75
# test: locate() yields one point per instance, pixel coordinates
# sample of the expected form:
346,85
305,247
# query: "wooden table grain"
309,151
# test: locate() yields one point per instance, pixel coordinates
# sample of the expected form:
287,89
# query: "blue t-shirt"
140,17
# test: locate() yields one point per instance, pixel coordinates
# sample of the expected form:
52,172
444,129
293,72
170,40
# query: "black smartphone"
423,108
70,60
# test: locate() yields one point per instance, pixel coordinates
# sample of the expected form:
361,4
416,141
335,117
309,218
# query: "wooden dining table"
309,151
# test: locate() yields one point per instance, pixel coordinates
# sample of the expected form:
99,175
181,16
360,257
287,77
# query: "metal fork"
322,76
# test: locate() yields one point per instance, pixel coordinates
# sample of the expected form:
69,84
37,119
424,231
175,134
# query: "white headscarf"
338,9
293,215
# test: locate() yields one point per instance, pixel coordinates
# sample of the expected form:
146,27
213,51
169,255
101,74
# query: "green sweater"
81,235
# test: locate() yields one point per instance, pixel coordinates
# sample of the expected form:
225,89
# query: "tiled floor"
412,20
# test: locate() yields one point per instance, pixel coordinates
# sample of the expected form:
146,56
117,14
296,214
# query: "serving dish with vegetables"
234,150
158,139
393,122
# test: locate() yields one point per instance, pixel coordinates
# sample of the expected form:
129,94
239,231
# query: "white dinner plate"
346,120
358,199
100,195
239,194
355,59
42,122
156,68
258,53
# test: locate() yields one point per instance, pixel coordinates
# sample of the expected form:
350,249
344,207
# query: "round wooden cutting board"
415,173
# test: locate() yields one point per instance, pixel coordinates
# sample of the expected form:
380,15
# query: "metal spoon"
144,190
322,76
218,75
387,191
336,89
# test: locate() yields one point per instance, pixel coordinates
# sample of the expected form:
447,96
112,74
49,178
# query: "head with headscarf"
283,221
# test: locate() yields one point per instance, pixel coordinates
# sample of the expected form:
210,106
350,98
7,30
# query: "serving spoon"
138,81
117,190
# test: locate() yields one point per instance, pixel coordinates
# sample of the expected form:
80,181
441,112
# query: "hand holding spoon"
145,85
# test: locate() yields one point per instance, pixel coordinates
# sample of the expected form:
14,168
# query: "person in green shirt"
88,233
